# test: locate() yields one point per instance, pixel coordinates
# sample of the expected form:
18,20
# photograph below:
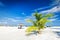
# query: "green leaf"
40,21
31,28
49,15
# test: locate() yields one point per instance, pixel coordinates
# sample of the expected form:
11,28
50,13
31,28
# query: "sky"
15,12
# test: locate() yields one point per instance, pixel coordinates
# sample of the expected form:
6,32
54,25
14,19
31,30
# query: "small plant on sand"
39,22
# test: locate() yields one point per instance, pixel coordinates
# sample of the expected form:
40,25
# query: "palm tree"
40,21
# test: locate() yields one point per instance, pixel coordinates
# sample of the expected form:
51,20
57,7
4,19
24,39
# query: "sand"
13,33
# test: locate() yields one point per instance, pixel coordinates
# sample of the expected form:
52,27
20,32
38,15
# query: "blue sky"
14,12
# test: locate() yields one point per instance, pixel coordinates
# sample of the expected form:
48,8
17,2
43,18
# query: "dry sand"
13,33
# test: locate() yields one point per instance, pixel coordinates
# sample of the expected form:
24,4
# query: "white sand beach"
13,33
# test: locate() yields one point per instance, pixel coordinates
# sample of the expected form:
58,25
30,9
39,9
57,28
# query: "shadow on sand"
32,33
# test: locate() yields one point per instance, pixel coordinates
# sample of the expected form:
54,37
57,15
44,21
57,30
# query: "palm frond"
49,15
40,21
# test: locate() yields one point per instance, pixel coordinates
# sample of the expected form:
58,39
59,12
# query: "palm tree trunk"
39,30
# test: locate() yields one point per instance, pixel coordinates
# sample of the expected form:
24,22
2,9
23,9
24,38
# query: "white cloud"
55,2
12,21
9,21
41,8
3,22
53,19
52,10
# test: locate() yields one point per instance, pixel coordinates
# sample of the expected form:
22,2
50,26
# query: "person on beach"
20,26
